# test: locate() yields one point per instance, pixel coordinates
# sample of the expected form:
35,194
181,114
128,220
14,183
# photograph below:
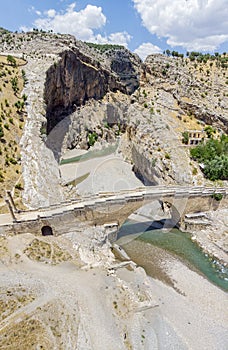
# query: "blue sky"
144,26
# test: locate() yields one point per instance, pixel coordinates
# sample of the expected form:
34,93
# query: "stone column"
11,209
12,201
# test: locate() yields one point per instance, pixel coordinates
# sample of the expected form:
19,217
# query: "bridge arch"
47,231
154,214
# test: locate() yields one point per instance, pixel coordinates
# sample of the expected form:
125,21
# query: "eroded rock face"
76,78
70,83
199,89
126,65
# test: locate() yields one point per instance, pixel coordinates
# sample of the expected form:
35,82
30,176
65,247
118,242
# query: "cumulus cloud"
146,49
82,24
50,13
192,24
120,38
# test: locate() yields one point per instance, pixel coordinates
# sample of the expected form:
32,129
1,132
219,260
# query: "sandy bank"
108,173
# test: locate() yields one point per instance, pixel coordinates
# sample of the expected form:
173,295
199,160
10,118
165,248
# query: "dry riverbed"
70,292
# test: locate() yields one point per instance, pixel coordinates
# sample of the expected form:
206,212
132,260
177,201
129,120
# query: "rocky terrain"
83,94
77,291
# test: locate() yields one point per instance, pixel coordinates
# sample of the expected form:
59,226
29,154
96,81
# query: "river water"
91,154
153,248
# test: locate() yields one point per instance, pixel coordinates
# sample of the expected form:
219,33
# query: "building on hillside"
195,137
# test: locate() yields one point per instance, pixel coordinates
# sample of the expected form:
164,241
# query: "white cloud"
120,38
50,13
192,24
146,49
81,23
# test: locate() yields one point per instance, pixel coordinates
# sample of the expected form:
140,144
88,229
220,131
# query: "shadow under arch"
47,231
151,216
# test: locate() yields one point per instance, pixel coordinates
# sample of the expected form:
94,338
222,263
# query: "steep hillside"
199,88
12,118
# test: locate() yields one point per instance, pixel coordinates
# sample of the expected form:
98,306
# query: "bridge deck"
110,197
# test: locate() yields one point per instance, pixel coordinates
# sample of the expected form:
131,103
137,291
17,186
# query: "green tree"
1,132
11,60
214,156
185,137
217,168
14,83
209,131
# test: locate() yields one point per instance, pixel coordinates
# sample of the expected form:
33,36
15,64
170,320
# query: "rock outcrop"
200,89
73,81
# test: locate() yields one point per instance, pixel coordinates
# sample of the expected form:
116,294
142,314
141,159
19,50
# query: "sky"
143,26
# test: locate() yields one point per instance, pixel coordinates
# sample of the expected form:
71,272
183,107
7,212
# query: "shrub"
92,138
13,161
217,196
209,131
194,171
1,132
19,186
185,137
14,83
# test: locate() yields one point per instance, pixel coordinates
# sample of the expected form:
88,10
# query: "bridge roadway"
108,206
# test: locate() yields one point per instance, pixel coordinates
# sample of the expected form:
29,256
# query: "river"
152,248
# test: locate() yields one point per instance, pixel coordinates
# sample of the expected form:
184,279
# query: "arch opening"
47,231
151,216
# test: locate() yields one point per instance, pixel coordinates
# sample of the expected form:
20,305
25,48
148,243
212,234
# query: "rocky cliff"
76,78
199,89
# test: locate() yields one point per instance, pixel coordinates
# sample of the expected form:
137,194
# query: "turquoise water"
91,154
180,245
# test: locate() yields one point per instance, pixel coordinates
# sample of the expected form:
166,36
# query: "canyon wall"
77,78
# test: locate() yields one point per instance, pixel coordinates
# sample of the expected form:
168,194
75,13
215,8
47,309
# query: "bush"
19,187
217,196
92,138
194,171
185,137
209,131
1,132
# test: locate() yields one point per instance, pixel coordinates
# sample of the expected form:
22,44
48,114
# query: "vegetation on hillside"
221,59
214,157
104,47
4,31
12,114
194,56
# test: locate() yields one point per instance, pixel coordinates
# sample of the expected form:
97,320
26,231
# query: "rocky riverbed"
71,292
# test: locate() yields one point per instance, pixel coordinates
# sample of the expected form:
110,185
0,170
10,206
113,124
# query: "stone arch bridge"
114,207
